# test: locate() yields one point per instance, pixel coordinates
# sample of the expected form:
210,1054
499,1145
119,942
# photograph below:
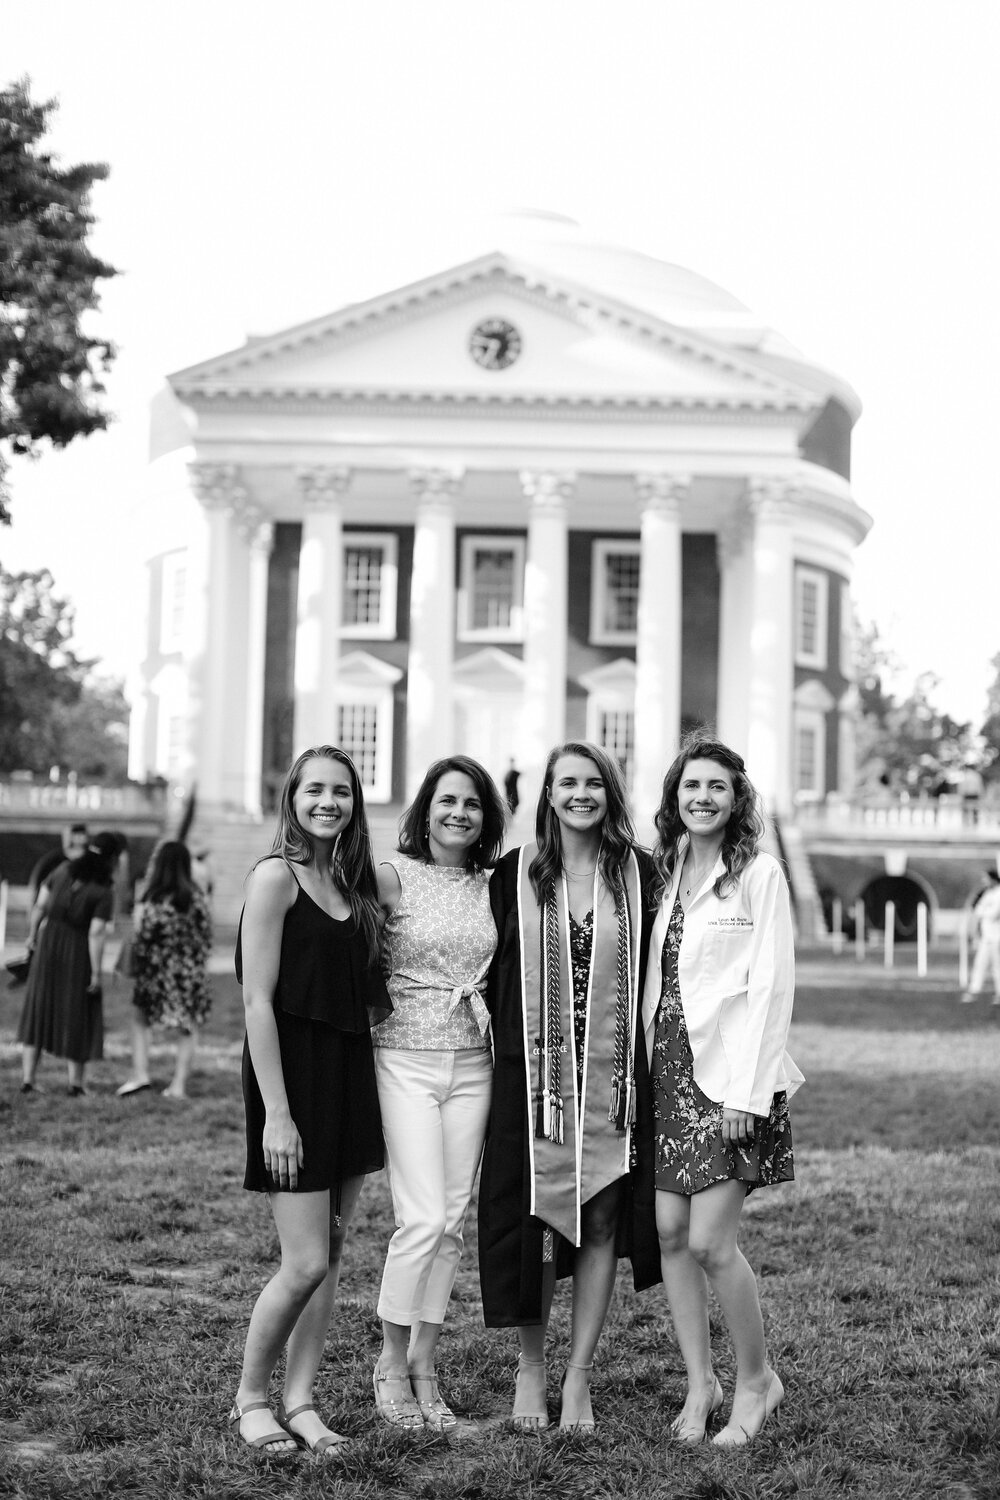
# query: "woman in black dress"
307,956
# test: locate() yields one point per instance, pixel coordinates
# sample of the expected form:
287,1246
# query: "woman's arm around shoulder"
390,889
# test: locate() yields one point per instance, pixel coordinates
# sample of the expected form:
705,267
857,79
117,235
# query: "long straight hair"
617,831
743,832
351,862
169,877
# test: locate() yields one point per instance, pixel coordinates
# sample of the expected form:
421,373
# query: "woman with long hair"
307,956
173,937
555,1197
434,1068
66,931
716,1011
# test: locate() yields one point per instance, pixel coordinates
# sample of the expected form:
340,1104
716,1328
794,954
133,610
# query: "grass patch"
132,1258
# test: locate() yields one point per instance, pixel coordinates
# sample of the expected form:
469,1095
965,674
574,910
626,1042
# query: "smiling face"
323,802
705,798
454,818
578,796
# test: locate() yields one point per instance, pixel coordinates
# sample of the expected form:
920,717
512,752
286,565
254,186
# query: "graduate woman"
716,1011
555,1196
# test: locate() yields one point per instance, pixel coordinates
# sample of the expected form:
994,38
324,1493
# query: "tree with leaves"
50,369
53,712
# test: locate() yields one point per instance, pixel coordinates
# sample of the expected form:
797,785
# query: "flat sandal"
279,1435
321,1445
398,1412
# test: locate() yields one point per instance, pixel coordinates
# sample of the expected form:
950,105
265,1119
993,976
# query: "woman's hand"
282,1151
737,1126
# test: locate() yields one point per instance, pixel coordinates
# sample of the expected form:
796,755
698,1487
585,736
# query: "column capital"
260,536
733,535
548,489
321,486
435,486
771,497
663,492
218,486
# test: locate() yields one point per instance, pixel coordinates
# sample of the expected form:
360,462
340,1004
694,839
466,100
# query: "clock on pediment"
494,343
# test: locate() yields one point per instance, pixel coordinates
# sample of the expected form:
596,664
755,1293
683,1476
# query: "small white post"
922,940
890,931
963,953
838,925
4,893
859,930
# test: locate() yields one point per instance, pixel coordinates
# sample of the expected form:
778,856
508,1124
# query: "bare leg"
530,1413
308,1337
74,1074
715,1217
140,1051
29,1062
687,1296
303,1224
593,1284
394,1398
186,1047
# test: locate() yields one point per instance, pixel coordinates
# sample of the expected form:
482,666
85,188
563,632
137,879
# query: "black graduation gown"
510,1238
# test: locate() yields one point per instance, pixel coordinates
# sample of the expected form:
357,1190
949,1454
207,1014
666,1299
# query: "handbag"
18,968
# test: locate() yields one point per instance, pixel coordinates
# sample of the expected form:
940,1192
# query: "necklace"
696,881
579,874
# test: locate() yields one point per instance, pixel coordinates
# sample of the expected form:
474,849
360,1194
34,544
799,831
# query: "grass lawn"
132,1257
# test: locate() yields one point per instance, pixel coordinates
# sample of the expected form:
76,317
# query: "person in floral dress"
173,937
716,1010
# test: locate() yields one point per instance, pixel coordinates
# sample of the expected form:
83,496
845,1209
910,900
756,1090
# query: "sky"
835,166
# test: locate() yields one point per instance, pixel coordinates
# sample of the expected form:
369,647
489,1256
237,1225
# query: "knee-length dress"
170,959
59,1016
690,1153
325,1001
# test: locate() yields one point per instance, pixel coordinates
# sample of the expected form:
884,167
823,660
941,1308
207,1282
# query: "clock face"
494,343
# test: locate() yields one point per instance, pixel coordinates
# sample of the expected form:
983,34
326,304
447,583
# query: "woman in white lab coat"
716,1010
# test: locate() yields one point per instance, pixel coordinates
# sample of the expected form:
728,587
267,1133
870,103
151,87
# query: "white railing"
945,816
71,798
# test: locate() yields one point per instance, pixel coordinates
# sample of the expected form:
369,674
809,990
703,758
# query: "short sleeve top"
77,903
437,942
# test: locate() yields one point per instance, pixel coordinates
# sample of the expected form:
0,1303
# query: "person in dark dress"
716,1010
62,1004
307,957
557,1196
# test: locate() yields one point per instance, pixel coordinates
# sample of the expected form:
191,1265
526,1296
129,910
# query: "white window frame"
600,551
846,631
809,721
174,581
387,543
610,690
813,577
472,543
365,681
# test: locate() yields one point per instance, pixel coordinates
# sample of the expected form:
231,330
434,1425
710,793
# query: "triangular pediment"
570,345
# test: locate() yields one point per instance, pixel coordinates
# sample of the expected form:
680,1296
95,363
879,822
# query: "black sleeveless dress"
325,1003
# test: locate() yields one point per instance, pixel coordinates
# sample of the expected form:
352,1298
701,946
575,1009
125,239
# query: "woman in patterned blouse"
434,1068
173,936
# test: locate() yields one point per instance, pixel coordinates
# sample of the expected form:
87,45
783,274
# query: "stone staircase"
809,919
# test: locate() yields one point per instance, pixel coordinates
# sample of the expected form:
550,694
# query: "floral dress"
170,963
581,941
689,1149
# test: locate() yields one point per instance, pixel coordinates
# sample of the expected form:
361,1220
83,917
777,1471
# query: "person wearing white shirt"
716,1009
986,913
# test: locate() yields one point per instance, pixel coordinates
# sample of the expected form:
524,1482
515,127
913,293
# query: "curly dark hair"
742,834
352,865
414,839
617,831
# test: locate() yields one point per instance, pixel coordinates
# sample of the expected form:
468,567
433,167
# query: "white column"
735,556
319,613
771,683
219,706
260,539
430,708
658,639
546,584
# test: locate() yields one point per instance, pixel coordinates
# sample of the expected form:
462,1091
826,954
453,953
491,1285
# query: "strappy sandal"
279,1435
321,1445
398,1411
586,1424
434,1409
529,1418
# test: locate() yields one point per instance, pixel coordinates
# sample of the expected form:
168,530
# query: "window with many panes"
614,593
810,617
810,752
491,589
616,734
370,573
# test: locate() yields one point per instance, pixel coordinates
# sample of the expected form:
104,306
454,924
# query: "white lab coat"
737,981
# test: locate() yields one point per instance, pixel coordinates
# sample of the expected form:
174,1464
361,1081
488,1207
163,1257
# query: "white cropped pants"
434,1111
